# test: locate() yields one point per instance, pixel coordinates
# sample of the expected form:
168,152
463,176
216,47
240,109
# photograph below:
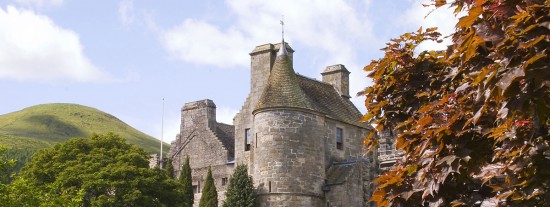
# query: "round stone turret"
287,143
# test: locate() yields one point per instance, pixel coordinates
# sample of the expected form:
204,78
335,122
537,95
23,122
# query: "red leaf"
509,77
469,19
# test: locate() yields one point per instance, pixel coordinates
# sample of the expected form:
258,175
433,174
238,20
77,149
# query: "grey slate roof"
325,99
286,89
282,88
339,172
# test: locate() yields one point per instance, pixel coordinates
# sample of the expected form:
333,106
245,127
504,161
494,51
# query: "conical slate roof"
282,89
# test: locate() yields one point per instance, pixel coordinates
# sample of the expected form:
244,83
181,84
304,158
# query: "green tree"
100,171
6,167
169,168
187,185
209,196
240,192
473,121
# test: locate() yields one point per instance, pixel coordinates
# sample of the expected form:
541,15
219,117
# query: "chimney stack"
337,76
199,114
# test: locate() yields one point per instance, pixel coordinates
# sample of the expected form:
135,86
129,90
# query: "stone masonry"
206,142
288,145
301,138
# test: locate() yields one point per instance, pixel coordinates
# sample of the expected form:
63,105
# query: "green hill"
41,126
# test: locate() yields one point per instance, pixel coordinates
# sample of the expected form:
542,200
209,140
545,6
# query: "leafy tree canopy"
101,171
6,165
240,192
473,121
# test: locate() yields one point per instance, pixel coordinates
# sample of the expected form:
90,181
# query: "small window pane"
339,138
247,139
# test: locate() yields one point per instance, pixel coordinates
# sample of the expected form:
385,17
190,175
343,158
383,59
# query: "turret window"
247,139
339,138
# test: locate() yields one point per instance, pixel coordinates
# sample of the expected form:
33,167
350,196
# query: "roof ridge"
350,161
221,123
313,79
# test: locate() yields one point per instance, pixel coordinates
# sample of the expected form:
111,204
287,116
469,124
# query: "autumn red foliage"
472,121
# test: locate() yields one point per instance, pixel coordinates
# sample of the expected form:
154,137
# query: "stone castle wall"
199,141
289,168
359,175
388,154
219,173
352,141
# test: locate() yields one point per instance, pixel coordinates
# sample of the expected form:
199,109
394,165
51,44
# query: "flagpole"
161,134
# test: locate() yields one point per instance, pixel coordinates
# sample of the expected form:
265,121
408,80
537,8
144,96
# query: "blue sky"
124,57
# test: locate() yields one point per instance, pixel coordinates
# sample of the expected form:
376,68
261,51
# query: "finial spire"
283,27
282,50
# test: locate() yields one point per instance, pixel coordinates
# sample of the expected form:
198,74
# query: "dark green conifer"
169,168
186,181
209,196
240,192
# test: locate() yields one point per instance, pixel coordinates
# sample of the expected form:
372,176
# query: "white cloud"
34,48
336,31
40,3
442,18
202,43
126,12
332,28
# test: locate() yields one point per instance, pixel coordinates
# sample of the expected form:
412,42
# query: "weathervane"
283,27
282,51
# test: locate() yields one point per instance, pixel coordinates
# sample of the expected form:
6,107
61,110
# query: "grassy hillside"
42,126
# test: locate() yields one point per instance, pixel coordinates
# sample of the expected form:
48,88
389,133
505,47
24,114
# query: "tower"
287,141
262,59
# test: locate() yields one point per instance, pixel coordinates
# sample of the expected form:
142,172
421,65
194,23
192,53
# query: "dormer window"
339,138
247,139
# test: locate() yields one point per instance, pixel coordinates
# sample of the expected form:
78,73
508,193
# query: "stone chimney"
337,76
262,59
199,114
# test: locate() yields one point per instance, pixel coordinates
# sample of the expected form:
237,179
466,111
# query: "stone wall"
352,141
350,183
198,140
387,149
219,173
289,169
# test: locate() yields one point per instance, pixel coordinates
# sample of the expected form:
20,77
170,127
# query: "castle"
300,138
